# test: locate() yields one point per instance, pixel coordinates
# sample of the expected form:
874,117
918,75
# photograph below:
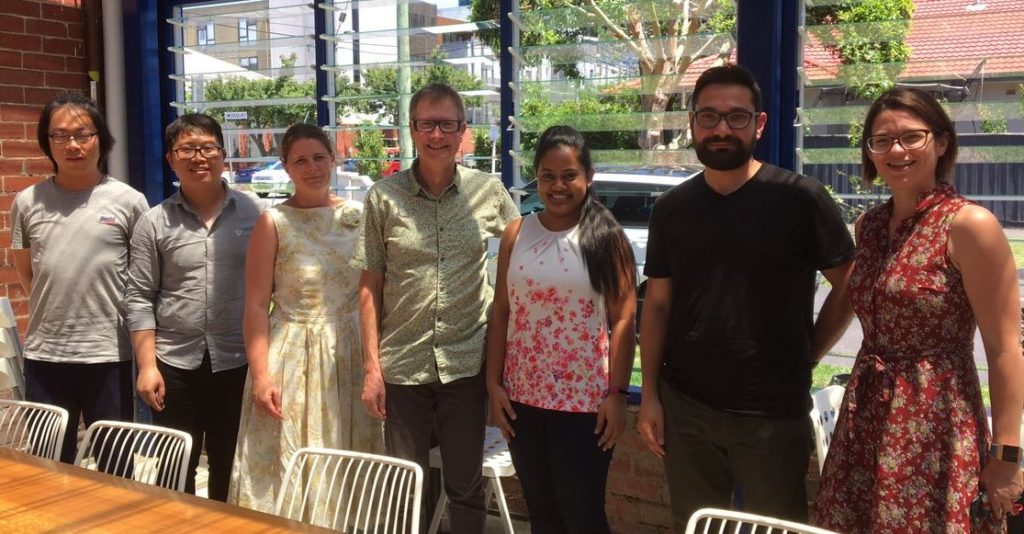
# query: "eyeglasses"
189,152
446,126
63,138
707,118
909,140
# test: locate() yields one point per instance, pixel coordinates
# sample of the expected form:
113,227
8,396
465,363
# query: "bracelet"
623,392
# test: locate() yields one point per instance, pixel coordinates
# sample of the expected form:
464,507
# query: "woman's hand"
502,413
611,420
267,396
1002,483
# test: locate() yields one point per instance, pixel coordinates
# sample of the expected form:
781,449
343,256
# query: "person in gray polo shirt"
69,236
186,291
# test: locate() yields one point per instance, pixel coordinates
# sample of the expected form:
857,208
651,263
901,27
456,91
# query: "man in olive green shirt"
424,299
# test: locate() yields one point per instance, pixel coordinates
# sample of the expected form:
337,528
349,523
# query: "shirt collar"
229,197
413,186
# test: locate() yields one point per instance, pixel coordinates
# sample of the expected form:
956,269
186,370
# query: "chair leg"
502,505
435,522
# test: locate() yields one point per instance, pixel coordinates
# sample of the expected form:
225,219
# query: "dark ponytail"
606,251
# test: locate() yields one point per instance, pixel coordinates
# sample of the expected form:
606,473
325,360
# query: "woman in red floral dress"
911,448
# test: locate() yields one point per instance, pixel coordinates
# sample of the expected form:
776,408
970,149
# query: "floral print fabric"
557,345
314,354
908,447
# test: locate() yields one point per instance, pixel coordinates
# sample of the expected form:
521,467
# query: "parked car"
244,175
629,192
272,180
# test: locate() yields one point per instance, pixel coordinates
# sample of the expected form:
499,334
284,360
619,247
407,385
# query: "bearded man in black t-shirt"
728,337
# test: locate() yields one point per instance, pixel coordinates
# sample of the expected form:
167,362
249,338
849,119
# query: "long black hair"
606,251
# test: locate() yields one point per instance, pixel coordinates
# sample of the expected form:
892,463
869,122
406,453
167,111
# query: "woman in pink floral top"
560,341
911,450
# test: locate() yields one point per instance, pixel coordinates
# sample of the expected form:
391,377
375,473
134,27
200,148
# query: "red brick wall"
41,54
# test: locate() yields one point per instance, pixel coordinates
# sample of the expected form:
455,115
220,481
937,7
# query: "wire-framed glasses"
63,138
909,140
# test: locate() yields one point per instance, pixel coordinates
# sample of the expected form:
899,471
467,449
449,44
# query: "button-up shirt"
187,281
432,253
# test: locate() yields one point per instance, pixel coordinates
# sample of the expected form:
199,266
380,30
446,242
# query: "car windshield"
630,203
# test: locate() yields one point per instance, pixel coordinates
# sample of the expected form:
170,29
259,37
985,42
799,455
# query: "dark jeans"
93,391
561,469
205,404
457,409
708,452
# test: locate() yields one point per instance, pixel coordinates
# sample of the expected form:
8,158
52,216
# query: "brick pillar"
41,54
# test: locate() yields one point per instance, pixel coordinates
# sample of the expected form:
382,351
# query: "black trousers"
561,469
92,391
709,452
207,405
458,411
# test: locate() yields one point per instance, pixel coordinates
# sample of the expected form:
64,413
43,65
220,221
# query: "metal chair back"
715,521
145,453
32,427
352,491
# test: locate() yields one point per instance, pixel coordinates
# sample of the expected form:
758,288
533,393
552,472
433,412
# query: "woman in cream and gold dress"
301,328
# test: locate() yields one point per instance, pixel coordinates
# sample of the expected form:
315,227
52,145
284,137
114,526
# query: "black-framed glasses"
189,152
709,118
63,138
909,140
427,126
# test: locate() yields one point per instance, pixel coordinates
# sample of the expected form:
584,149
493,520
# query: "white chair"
33,428
715,521
825,411
146,453
351,491
497,464
11,374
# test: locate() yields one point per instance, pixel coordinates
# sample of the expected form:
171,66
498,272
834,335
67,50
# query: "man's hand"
373,395
267,396
650,423
150,386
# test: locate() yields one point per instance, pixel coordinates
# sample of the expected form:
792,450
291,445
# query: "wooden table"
38,495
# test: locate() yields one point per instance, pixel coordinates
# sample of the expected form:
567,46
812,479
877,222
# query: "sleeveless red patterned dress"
905,454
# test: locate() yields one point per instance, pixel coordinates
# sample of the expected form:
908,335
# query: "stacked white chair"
146,453
824,413
34,428
497,464
715,521
11,376
352,491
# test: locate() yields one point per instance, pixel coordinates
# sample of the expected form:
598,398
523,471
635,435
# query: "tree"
665,36
262,116
380,86
372,153
869,38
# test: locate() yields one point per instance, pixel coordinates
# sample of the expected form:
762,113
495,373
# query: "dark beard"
725,160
